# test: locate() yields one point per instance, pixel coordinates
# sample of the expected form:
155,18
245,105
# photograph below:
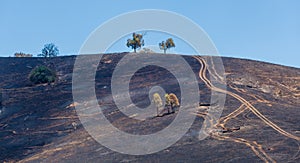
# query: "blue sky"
267,30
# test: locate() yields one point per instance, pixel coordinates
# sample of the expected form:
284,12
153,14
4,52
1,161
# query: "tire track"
232,115
215,74
202,75
254,146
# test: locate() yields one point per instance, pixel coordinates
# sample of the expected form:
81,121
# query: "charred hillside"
259,122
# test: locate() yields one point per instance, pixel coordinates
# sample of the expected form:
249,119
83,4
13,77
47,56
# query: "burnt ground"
39,122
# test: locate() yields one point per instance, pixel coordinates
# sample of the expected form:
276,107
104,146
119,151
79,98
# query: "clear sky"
267,30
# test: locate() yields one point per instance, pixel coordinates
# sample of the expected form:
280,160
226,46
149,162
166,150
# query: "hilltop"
260,120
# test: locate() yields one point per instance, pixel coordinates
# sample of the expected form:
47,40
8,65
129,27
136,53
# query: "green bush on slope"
42,74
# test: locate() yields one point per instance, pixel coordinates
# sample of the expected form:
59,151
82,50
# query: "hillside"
260,121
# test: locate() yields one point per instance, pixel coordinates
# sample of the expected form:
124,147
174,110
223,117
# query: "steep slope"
260,120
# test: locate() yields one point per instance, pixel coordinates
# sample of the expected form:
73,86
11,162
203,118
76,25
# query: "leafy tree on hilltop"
49,50
166,45
136,41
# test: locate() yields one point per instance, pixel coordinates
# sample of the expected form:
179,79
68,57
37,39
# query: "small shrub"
20,54
42,74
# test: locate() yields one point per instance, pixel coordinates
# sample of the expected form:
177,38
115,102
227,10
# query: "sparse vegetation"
49,50
146,50
158,102
171,102
166,45
20,54
136,41
42,74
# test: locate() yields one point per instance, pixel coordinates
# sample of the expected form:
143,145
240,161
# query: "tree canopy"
136,42
164,45
49,50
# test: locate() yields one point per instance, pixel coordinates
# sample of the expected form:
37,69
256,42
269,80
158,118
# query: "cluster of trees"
137,41
49,50
171,103
43,74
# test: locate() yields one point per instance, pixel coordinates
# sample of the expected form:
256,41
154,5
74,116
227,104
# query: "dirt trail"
232,115
203,77
255,147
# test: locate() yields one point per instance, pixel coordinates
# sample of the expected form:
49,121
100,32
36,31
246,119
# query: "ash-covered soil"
38,123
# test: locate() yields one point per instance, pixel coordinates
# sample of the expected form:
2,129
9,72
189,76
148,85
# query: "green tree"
49,50
136,42
164,45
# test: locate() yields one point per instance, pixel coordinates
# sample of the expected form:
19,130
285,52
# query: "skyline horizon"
259,30
120,52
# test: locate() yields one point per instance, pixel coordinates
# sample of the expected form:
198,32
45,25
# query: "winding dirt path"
202,75
255,147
